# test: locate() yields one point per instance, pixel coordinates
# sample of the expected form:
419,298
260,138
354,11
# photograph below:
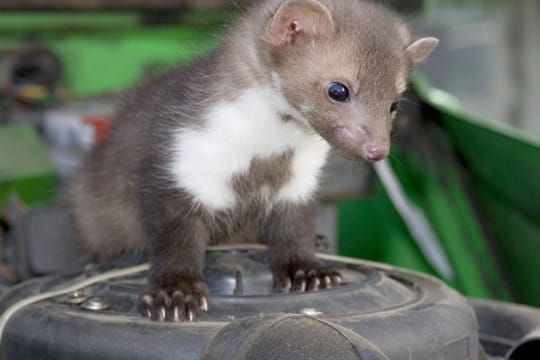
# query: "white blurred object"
68,130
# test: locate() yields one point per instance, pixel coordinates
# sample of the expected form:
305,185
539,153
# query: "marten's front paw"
177,303
306,276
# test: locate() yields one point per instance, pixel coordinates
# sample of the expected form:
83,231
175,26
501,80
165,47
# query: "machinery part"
380,311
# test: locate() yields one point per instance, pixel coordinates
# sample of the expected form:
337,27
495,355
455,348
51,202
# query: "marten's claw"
177,304
308,278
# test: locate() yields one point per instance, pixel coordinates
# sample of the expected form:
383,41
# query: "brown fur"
368,55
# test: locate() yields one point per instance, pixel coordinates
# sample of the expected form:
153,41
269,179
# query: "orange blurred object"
101,126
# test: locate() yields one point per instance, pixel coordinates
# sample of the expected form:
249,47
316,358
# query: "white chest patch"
205,160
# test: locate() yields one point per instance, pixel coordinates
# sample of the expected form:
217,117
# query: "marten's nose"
376,151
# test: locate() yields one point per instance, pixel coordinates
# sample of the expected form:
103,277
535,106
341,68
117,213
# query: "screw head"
94,304
74,298
310,311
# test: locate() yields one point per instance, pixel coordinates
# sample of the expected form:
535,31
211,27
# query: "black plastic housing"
380,312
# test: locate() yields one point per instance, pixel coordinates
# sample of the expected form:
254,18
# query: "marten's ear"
420,49
298,20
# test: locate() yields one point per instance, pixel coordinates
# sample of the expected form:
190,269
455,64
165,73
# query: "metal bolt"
310,311
95,304
75,298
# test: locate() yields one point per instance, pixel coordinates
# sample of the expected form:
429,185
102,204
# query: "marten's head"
343,66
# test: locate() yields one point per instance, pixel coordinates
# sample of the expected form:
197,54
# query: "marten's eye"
338,92
394,105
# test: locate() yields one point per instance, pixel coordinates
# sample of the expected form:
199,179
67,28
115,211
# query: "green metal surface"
504,168
370,228
25,168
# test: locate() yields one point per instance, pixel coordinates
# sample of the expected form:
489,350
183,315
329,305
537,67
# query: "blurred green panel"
103,52
34,21
370,228
25,168
112,61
